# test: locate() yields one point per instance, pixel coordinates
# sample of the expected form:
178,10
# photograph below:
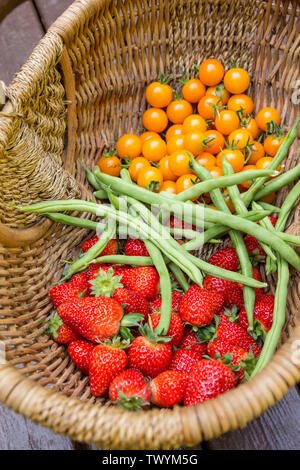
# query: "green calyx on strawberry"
128,321
54,323
226,359
150,333
232,314
105,283
207,332
131,403
116,342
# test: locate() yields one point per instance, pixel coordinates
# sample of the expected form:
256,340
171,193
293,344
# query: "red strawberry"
207,380
143,279
104,282
135,247
60,332
97,319
252,245
135,303
176,328
110,249
232,292
106,362
234,296
65,292
216,284
225,258
235,334
236,355
168,388
130,390
263,313
196,306
175,222
80,280
191,342
150,354
217,300
155,305
184,359
79,352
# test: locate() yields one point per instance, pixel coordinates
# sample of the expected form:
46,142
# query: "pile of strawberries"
108,314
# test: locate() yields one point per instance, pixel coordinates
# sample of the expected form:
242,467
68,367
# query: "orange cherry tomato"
236,80
176,129
150,178
129,145
211,72
159,95
266,115
169,187
178,110
227,121
175,143
241,102
136,165
154,149
164,166
193,90
216,171
269,198
234,157
240,138
193,142
147,135
263,163
250,126
215,141
207,160
179,163
257,152
185,182
155,119
219,91
110,165
272,144
194,122
247,184
207,106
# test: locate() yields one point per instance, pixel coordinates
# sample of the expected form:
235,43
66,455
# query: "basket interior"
115,53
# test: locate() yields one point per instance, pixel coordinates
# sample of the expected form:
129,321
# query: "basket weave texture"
88,75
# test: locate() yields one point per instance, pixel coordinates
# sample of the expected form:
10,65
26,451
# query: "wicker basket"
88,75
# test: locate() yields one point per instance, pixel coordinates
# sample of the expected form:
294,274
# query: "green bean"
193,210
273,335
280,155
145,231
91,177
278,183
125,175
149,218
185,233
245,263
100,194
286,207
271,261
75,221
268,206
179,276
83,262
221,182
165,288
123,259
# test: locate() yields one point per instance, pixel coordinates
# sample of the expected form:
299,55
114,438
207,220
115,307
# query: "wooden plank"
277,429
20,31
18,433
49,10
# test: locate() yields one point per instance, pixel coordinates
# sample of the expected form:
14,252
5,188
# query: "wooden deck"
278,428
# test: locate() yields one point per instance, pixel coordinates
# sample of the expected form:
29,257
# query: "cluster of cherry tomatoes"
210,117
